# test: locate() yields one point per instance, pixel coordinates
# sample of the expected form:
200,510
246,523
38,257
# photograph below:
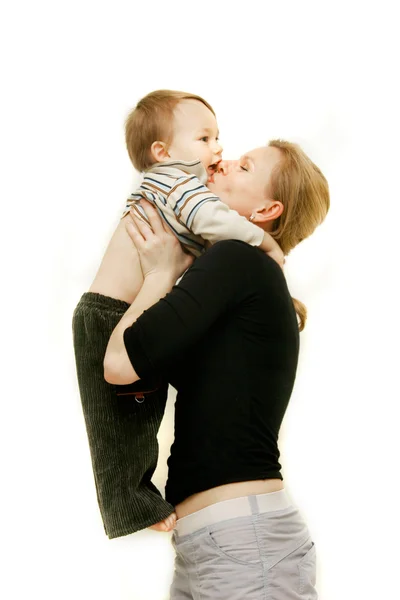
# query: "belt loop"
255,510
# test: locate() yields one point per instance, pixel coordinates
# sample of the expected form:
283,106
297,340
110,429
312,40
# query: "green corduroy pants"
122,423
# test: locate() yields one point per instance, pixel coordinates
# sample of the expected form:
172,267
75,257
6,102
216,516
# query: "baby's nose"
218,148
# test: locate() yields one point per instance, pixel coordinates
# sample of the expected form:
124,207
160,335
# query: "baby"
173,138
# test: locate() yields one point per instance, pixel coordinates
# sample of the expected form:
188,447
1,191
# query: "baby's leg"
122,424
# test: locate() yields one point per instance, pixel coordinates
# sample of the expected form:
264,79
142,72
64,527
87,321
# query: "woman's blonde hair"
304,192
152,120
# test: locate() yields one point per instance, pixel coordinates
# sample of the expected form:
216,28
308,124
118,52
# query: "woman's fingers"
156,226
156,222
134,234
159,249
141,225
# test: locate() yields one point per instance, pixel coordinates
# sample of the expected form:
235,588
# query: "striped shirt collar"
175,168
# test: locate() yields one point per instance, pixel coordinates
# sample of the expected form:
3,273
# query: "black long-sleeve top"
226,337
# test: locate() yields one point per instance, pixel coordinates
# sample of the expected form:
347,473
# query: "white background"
323,74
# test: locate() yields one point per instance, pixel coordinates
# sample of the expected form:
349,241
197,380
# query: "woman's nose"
226,166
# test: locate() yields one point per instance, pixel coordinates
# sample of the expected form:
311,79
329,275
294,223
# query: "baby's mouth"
212,169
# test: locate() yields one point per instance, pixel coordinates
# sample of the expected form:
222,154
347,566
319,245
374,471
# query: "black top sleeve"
217,282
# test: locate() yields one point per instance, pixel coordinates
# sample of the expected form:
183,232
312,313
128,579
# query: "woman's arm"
117,367
163,261
228,276
219,282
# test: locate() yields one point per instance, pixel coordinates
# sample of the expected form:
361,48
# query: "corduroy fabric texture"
121,423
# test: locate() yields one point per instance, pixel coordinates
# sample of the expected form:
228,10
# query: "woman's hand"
159,250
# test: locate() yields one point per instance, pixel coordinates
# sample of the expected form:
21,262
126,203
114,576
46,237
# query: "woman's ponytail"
301,311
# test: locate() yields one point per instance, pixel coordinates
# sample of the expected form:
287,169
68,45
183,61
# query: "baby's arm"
204,214
272,248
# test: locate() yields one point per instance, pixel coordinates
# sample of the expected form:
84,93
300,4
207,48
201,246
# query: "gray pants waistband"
244,506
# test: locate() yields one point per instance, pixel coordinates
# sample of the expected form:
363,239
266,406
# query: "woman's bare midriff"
119,275
226,492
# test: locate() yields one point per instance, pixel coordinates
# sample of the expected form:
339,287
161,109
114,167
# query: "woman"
226,337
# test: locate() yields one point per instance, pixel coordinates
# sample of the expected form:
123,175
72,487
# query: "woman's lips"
212,169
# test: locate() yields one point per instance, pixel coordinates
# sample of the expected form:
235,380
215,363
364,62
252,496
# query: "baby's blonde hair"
152,120
304,192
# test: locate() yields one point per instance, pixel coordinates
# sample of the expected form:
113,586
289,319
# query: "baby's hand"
271,247
278,256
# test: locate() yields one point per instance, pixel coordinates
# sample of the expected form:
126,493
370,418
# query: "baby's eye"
204,139
243,168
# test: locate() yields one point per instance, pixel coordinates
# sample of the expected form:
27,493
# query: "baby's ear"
159,151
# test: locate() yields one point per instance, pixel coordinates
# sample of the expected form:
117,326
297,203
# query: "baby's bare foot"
165,525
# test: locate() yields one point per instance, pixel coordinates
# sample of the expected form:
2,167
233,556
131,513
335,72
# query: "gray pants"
253,548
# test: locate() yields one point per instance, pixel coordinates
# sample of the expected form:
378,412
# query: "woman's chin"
213,185
218,190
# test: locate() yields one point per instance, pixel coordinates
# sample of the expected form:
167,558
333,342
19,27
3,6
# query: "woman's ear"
269,212
159,151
